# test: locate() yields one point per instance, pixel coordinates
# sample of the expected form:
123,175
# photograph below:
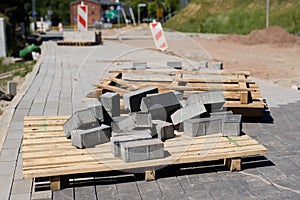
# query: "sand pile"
270,35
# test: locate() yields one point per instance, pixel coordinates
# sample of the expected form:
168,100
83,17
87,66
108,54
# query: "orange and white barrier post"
158,35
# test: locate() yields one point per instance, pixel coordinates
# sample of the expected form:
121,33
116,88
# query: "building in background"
94,11
98,11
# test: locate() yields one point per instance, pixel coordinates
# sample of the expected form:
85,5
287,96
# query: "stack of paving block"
149,121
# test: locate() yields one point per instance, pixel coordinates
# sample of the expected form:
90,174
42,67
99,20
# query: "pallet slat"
242,96
55,156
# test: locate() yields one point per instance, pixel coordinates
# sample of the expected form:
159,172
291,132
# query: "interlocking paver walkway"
66,76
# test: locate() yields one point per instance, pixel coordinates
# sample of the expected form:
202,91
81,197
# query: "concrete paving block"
21,186
130,136
91,137
213,126
99,111
174,64
64,194
9,155
202,126
131,132
139,65
203,64
132,100
121,123
160,106
195,127
7,168
179,95
217,65
135,121
182,103
164,130
12,88
141,120
111,103
133,151
221,113
79,120
212,100
232,125
25,196
5,185
188,112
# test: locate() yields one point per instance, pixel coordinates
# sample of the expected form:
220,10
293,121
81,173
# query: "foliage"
235,16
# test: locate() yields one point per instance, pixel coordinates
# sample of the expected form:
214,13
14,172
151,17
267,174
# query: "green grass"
235,16
26,66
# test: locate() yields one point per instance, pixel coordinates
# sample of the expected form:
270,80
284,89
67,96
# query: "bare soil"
271,53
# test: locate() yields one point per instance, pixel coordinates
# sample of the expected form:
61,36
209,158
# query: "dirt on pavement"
271,53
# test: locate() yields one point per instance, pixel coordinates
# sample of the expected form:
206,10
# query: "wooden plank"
122,83
243,94
55,183
149,72
211,80
108,83
54,156
111,88
234,164
150,175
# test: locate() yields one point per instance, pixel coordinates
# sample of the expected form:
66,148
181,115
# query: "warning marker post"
158,35
82,17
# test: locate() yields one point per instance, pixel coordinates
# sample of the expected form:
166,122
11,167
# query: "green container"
26,52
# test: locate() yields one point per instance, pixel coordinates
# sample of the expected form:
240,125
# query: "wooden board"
47,153
242,96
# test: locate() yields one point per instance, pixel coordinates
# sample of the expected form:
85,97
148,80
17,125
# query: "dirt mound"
270,35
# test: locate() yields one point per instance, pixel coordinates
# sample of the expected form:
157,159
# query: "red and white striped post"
158,35
82,17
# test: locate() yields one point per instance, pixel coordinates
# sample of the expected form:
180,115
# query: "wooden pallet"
47,153
241,94
72,43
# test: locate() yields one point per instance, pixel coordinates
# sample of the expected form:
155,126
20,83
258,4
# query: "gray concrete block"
221,113
111,103
81,119
174,64
141,120
182,103
195,127
139,65
129,136
232,125
131,132
121,123
99,111
213,100
91,137
133,151
132,100
203,64
213,126
217,65
160,106
12,88
164,130
76,36
188,112
202,126
134,121
179,95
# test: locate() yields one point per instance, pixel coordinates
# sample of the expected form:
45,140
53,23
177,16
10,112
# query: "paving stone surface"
66,76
